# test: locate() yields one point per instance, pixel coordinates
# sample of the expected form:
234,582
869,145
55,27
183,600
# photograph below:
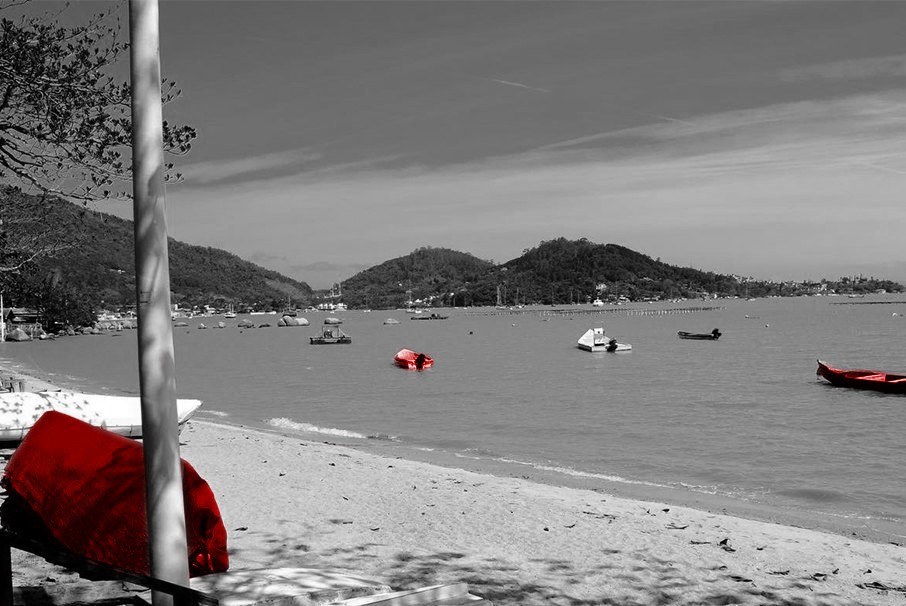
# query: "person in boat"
420,361
716,333
611,345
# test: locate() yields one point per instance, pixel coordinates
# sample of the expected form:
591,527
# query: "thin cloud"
519,85
202,173
861,114
870,67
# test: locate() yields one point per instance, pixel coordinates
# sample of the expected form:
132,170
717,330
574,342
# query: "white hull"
120,414
594,339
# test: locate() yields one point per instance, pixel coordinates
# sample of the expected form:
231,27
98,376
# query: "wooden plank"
424,596
95,570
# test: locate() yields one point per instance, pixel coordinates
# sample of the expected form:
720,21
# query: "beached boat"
714,335
413,360
876,380
331,335
120,414
594,339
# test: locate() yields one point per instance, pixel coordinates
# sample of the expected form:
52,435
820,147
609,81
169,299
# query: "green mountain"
559,272
99,270
428,275
564,271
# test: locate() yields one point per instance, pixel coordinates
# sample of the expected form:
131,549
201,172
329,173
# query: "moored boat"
122,415
876,380
413,360
432,316
714,335
594,339
331,335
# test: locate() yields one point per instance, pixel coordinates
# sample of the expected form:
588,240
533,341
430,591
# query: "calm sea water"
741,424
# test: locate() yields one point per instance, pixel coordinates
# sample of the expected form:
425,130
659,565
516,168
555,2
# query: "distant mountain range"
557,272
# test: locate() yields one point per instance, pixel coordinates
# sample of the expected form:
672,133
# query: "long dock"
629,311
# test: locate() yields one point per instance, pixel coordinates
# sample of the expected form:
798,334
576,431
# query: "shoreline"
877,531
292,501
880,531
868,529
515,541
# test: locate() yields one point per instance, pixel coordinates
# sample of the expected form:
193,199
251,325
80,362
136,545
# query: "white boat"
594,339
598,303
20,410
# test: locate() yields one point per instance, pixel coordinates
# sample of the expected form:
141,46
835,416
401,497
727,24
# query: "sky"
766,139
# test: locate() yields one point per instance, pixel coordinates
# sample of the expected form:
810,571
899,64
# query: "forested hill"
559,272
427,275
573,271
101,267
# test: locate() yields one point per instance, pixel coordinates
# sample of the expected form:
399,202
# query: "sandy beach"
289,502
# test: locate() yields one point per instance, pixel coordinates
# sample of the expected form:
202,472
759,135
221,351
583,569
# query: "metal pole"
163,473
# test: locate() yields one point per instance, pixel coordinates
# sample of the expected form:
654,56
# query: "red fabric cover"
87,486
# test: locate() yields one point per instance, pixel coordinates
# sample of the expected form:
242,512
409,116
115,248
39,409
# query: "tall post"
157,381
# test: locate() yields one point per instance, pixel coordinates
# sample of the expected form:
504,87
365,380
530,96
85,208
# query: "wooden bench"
182,595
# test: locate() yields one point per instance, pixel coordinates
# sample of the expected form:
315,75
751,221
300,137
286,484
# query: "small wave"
568,471
284,423
214,413
596,476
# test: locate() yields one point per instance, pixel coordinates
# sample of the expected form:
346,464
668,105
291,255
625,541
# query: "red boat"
876,380
412,360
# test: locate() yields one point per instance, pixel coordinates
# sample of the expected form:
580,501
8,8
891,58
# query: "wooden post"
6,573
157,381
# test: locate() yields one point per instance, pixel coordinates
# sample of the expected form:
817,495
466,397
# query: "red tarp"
86,485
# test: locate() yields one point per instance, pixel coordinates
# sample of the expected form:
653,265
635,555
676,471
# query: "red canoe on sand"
413,360
876,380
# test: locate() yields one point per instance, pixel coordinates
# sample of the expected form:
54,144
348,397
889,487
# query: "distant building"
25,319
22,315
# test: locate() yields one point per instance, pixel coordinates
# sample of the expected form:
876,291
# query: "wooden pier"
562,312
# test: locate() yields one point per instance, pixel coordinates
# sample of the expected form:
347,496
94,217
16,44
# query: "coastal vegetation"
65,132
97,271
